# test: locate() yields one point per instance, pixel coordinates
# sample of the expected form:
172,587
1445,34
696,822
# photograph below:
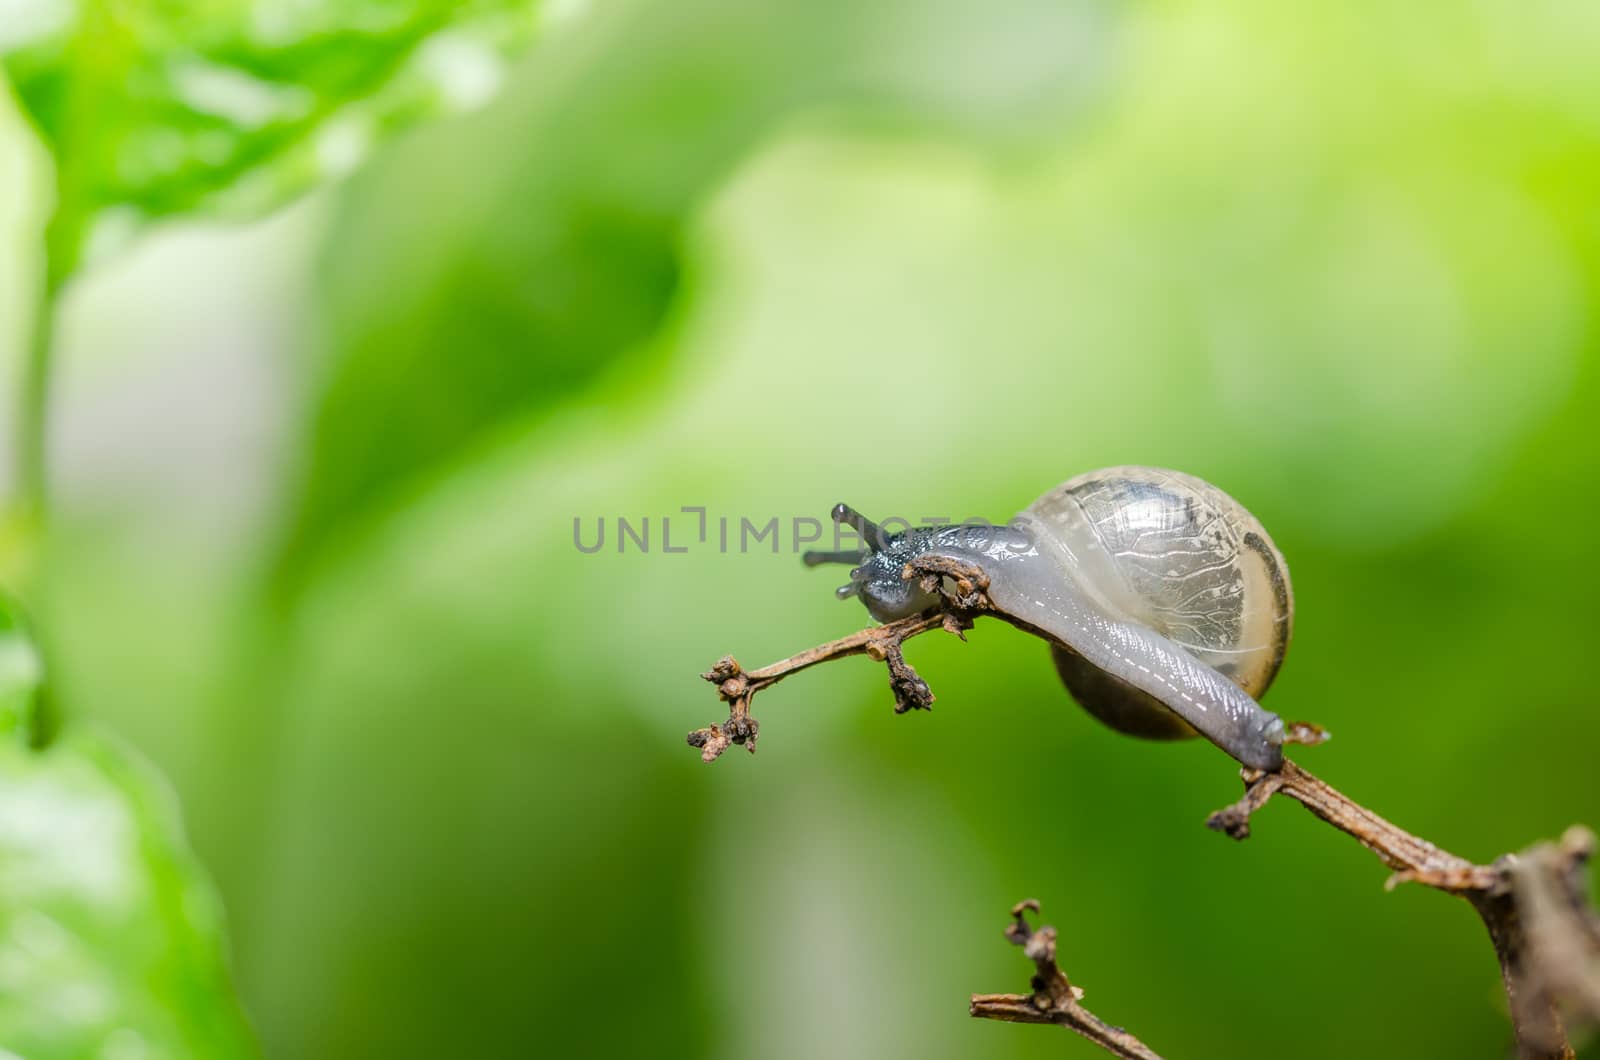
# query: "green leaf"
153,108
111,939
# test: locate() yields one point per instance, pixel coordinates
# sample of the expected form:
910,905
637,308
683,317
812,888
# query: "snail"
1166,605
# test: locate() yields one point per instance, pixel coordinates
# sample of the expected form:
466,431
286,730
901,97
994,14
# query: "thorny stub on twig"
733,685
1054,999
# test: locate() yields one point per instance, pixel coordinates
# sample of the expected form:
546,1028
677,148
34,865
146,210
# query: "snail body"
1167,607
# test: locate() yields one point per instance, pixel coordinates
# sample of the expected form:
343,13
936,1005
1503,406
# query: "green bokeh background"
932,259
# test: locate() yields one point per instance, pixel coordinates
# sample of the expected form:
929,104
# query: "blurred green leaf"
21,672
154,107
111,940
489,269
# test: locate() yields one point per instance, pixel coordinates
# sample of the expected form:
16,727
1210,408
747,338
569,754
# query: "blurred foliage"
20,672
155,108
110,939
151,110
930,258
525,280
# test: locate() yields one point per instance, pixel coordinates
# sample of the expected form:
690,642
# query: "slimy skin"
1166,606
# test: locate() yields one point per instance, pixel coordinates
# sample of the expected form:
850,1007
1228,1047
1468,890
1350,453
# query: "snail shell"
1179,556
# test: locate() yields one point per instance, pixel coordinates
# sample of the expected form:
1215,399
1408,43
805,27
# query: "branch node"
911,692
1306,733
1054,999
735,688
1234,821
723,670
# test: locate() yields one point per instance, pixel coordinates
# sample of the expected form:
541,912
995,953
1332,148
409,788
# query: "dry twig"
1054,999
737,686
1535,905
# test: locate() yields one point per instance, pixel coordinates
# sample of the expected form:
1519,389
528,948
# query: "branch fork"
961,591
1054,999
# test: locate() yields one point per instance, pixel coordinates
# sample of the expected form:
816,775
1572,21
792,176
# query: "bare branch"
1054,999
737,686
1398,849
1535,905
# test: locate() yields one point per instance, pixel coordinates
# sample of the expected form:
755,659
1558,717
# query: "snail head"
877,576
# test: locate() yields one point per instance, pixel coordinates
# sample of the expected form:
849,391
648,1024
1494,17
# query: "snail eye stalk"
871,533
816,559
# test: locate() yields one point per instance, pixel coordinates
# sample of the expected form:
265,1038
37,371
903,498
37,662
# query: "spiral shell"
1178,555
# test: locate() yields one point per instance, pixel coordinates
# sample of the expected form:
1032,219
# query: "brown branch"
1535,905
1054,999
737,686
